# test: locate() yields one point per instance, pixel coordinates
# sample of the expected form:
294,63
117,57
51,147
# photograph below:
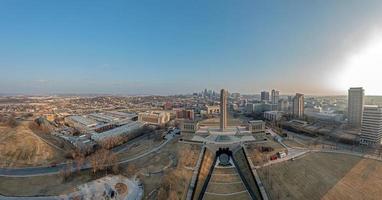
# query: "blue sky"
166,47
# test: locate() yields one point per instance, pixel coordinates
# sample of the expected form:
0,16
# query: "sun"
364,68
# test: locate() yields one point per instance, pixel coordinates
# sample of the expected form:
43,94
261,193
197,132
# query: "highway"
46,170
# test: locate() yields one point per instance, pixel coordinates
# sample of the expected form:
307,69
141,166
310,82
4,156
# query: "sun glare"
364,68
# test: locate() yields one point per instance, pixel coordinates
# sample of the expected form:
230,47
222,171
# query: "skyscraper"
223,109
283,105
298,106
275,97
371,129
264,96
355,106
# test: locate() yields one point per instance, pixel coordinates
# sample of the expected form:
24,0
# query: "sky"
316,47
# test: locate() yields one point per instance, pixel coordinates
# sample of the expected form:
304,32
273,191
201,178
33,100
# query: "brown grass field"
324,176
19,146
41,185
364,181
293,143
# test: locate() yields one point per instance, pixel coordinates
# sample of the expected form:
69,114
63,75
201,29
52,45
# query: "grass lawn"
310,177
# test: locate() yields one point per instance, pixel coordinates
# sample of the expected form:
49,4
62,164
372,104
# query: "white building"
257,126
154,117
189,126
212,109
258,107
318,114
355,106
371,129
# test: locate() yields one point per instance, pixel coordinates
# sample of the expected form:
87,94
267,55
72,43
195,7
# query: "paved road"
39,171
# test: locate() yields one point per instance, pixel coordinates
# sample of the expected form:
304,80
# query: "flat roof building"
273,115
119,131
371,129
102,117
77,120
154,117
212,110
257,126
185,114
189,126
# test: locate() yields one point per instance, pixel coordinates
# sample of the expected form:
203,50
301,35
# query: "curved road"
46,170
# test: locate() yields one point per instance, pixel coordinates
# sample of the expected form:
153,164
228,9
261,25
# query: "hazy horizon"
153,94
172,47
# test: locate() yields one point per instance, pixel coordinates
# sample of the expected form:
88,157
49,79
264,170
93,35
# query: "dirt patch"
121,188
259,158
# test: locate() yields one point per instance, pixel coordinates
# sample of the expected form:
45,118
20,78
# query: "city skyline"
315,48
169,99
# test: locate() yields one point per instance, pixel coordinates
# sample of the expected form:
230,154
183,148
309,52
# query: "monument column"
223,109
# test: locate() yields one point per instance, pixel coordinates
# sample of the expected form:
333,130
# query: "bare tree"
131,169
79,160
103,160
111,142
11,121
66,171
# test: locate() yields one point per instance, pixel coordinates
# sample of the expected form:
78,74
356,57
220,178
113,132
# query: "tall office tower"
264,96
371,129
275,97
283,105
223,109
298,106
355,106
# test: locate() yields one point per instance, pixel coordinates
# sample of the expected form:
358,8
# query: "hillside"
19,146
